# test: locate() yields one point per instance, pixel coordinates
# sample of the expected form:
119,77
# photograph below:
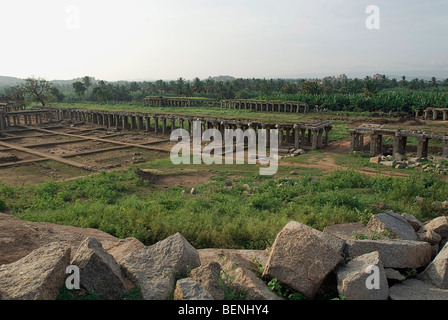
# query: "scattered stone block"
375,160
188,289
208,277
37,276
394,223
154,268
352,279
99,272
436,272
394,253
392,274
438,225
301,259
429,236
413,221
352,231
414,289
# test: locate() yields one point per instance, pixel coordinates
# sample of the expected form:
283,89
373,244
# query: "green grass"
124,205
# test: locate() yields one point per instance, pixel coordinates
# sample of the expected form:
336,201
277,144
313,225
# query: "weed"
284,291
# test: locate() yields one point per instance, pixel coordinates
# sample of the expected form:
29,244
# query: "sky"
168,39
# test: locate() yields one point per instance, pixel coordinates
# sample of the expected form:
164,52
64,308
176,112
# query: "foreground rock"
436,273
413,221
236,275
188,289
439,225
99,272
353,277
37,276
352,231
301,258
394,253
208,275
154,268
414,289
394,223
19,238
227,271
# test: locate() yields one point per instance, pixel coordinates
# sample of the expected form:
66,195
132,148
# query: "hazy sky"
168,39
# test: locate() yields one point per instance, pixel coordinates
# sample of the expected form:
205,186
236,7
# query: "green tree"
403,82
179,86
79,87
310,87
87,81
33,89
197,86
370,86
434,82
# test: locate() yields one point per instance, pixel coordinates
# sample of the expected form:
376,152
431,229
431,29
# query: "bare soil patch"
175,180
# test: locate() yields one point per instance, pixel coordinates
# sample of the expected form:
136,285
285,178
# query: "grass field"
222,215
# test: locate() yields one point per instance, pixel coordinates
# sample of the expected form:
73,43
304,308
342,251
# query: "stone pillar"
268,135
314,140
417,113
296,137
422,147
156,124
400,145
435,113
280,136
445,115
173,124
148,123
376,141
302,138
319,138
139,120
164,125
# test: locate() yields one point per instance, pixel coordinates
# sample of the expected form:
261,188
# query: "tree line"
377,93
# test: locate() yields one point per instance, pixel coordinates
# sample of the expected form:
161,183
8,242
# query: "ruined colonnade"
300,135
262,105
400,141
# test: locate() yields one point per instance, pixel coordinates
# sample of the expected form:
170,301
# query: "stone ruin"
400,137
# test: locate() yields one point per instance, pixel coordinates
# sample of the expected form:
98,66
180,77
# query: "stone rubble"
409,256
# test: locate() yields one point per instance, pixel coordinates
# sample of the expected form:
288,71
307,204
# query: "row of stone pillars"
433,113
262,105
173,102
310,136
400,141
8,119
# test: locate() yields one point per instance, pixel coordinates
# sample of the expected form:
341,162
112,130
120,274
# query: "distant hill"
9,81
